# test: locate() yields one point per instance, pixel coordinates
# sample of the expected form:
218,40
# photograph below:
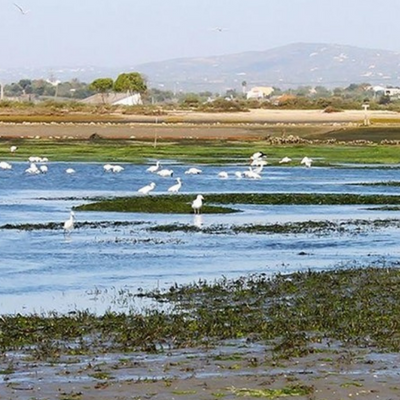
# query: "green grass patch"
356,306
195,151
169,204
289,391
181,204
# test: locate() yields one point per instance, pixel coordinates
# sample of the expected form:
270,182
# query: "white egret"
108,167
197,204
285,160
223,175
258,162
43,169
5,165
193,171
13,149
70,171
154,168
165,173
257,155
251,174
33,169
69,223
117,168
306,161
175,188
147,189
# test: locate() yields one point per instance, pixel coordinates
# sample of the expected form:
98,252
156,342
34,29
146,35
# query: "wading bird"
193,171
154,168
285,160
147,189
197,204
165,173
306,161
175,188
69,223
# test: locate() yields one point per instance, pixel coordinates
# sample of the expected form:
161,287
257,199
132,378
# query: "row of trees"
301,97
125,82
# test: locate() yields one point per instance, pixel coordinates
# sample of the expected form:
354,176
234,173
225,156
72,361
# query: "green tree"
102,85
25,84
132,82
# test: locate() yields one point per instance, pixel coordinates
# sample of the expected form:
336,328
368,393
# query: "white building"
125,99
259,92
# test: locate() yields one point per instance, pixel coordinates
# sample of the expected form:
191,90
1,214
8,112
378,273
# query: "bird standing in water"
197,204
69,223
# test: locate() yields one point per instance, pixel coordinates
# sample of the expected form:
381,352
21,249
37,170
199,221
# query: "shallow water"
44,270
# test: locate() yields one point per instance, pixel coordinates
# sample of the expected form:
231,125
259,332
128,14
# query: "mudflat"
232,370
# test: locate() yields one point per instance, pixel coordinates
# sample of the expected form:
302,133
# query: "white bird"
306,161
251,174
223,175
33,169
69,223
34,159
175,188
193,171
165,172
285,160
108,167
239,174
258,162
70,171
23,12
154,168
258,169
117,168
43,169
5,165
13,149
257,155
147,189
197,204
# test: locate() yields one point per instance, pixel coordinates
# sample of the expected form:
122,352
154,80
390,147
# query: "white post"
1,92
366,120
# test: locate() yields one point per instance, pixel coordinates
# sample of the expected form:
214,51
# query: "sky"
117,33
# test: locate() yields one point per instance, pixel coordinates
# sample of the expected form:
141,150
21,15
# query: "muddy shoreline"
232,370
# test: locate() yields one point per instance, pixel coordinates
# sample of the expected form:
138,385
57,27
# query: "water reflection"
198,220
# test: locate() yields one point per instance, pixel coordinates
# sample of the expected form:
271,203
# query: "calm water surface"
44,270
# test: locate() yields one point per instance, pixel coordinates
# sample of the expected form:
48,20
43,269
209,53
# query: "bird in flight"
219,29
23,12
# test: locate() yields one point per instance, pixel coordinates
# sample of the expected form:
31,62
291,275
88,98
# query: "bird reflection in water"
198,220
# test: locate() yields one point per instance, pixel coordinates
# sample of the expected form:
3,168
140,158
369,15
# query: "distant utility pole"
1,92
366,119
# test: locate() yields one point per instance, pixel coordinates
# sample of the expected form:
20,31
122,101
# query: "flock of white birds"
38,165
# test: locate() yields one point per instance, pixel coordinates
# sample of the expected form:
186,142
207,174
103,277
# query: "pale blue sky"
130,32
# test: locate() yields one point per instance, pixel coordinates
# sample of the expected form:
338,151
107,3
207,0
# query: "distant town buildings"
387,91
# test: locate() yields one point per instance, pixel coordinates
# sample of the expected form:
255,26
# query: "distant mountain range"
300,64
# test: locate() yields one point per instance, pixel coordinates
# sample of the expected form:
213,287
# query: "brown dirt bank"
254,125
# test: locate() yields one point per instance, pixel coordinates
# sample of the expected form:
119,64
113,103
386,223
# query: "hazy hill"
287,66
